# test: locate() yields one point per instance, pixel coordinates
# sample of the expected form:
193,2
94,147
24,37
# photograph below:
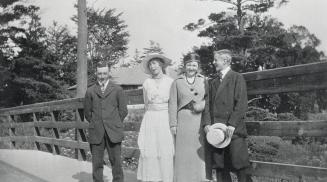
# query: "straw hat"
216,135
145,63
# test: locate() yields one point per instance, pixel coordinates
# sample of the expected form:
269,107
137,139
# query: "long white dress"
155,140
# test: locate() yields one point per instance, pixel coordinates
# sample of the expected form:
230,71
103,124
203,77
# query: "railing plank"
58,105
63,143
255,128
287,79
62,124
28,139
287,128
272,169
298,83
297,70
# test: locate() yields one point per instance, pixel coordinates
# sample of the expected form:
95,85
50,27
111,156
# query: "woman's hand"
173,130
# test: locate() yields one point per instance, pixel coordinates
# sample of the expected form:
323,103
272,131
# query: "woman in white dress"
155,140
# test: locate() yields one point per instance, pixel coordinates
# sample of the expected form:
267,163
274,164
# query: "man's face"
220,61
102,74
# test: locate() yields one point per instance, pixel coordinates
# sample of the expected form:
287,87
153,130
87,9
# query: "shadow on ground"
87,177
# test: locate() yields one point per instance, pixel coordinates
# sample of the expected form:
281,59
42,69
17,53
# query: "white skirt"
156,146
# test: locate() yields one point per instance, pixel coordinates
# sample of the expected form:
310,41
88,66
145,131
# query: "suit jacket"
227,103
105,112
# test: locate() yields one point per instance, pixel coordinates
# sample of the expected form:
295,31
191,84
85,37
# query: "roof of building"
131,76
128,76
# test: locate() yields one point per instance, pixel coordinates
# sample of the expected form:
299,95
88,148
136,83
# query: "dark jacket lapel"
109,89
224,82
98,90
213,88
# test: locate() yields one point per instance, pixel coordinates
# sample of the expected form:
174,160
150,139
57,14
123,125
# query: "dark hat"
192,57
102,64
223,51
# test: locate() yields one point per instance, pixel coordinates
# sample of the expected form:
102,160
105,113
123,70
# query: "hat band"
191,60
224,136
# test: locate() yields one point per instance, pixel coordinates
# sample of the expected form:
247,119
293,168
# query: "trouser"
234,158
224,175
114,152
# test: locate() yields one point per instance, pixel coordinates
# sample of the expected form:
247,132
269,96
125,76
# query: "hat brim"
166,62
210,140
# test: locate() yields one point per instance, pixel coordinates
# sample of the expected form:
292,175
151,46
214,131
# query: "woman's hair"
161,63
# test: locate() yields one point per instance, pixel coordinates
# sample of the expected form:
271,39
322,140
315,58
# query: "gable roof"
130,76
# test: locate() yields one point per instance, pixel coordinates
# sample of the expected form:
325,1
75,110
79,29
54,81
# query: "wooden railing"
290,79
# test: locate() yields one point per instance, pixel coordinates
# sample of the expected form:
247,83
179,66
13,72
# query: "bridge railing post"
36,132
80,136
12,132
55,134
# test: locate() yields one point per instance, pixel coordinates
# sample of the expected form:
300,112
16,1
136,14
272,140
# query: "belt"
158,107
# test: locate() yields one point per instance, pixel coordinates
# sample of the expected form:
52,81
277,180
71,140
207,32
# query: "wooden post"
12,133
82,49
56,135
80,136
36,132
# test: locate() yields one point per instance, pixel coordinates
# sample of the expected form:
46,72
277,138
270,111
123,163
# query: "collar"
224,72
105,84
182,76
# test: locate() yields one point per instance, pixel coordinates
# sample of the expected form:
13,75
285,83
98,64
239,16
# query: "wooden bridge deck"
38,166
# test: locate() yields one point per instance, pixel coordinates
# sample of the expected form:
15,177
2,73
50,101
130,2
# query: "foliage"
29,72
274,149
260,42
154,48
259,114
107,36
63,46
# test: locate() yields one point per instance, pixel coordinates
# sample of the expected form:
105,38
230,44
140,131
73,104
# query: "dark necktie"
217,81
102,88
220,75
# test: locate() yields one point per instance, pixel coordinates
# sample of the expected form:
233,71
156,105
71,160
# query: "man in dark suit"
227,103
105,107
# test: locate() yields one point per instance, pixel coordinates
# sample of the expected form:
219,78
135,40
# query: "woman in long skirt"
155,140
186,105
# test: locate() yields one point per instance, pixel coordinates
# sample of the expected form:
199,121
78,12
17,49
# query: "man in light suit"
227,104
105,107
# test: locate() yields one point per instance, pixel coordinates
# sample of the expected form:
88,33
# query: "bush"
259,114
287,117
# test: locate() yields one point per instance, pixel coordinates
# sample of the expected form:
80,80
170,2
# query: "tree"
31,71
259,42
107,36
63,46
154,48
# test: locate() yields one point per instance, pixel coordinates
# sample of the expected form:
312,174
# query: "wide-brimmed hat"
145,63
217,135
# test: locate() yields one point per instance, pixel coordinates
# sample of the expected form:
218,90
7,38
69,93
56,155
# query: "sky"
163,20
